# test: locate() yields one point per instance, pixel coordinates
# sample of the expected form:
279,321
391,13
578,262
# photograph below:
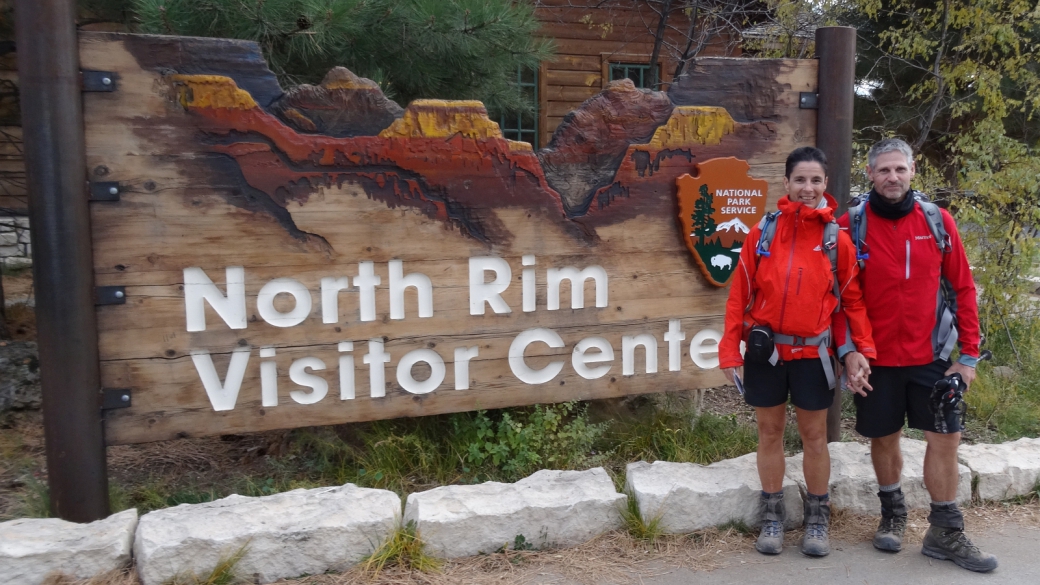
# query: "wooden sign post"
272,258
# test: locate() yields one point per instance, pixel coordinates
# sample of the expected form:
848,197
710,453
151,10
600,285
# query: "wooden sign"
320,255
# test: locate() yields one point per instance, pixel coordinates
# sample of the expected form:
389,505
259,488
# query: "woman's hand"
730,372
857,369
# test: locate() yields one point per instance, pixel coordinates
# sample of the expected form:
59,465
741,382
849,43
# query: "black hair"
805,154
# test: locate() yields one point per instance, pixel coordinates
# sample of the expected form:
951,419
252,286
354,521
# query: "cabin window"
523,126
639,73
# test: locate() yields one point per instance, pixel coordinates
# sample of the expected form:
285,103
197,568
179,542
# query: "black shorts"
804,380
900,394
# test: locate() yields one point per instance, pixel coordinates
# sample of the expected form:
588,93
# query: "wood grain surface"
217,170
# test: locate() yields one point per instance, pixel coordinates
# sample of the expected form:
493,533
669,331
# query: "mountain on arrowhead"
734,224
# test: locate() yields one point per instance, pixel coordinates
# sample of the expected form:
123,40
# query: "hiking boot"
889,535
951,544
771,538
816,543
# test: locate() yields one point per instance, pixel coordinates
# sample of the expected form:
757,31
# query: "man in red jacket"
904,266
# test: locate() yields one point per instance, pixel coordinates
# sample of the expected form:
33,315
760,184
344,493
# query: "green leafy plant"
521,441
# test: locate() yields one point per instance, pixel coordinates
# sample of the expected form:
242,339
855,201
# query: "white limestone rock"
284,535
32,548
691,497
549,508
854,487
1004,471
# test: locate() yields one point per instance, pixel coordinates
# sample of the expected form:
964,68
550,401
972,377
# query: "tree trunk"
658,41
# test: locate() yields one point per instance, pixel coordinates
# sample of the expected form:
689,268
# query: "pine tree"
450,49
703,222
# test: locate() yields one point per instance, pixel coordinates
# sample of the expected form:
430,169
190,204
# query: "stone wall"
15,249
330,529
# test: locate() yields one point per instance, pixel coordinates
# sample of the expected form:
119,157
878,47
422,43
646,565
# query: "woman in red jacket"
781,303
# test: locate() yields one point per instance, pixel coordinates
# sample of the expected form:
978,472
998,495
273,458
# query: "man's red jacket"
792,289
900,282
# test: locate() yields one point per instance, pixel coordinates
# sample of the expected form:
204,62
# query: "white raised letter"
376,358
516,356
580,358
399,282
480,291
404,371
330,287
628,353
198,287
674,337
462,357
222,395
298,373
265,302
268,378
577,279
529,294
366,281
346,371
705,343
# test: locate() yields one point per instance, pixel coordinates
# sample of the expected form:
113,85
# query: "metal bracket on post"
104,191
808,100
109,295
98,81
113,398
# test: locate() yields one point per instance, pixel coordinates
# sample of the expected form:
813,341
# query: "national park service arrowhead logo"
718,204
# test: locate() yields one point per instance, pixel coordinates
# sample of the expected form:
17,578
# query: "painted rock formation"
587,148
343,105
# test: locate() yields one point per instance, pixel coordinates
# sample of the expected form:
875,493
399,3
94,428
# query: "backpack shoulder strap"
768,228
933,215
858,228
830,248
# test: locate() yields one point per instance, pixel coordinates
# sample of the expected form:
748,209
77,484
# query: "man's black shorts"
900,395
804,380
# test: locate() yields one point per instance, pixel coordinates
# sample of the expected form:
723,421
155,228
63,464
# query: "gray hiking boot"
889,535
771,539
816,543
952,544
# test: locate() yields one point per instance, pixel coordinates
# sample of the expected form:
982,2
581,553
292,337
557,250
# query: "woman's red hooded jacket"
791,290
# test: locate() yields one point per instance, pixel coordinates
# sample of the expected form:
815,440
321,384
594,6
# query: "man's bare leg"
887,458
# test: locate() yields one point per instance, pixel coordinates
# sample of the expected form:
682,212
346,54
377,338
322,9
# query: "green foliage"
449,49
519,442
1005,407
671,436
404,549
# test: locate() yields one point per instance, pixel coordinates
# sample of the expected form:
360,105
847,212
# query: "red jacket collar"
825,215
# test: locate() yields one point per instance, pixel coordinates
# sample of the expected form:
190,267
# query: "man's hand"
967,373
857,369
729,372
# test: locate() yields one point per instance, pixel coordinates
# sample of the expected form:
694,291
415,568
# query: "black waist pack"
760,345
